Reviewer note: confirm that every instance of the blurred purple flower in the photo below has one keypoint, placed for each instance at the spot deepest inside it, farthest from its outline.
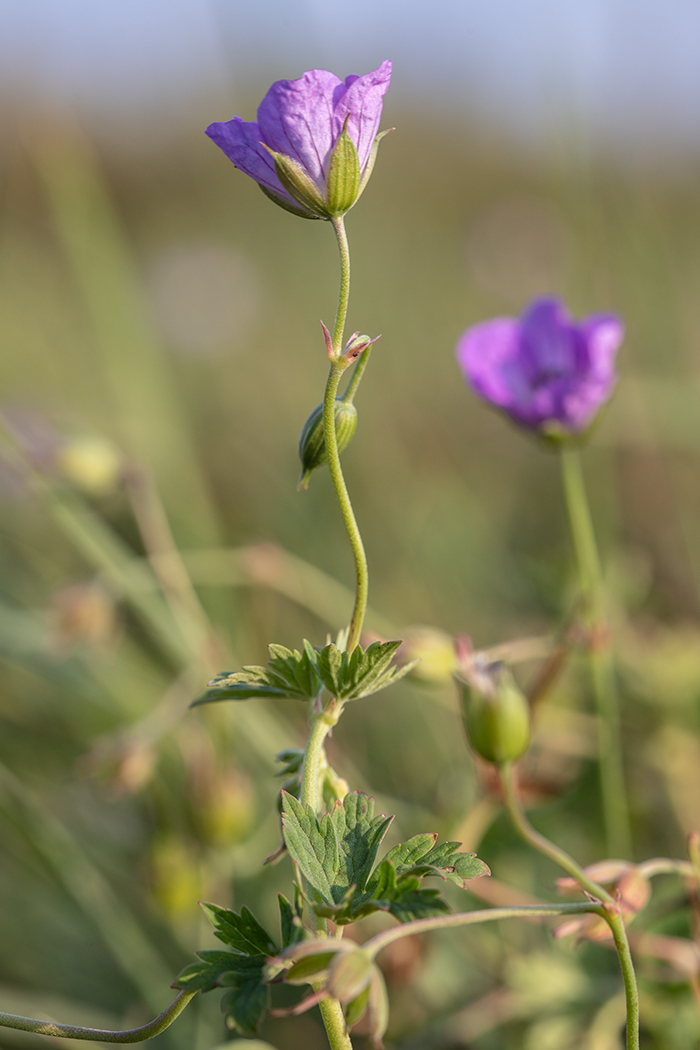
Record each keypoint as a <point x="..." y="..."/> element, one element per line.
<point x="546" y="371"/>
<point x="300" y="125"/>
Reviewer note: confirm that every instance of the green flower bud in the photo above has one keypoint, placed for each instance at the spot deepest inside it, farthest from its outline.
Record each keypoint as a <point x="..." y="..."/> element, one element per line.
<point x="312" y="443"/>
<point x="495" y="712"/>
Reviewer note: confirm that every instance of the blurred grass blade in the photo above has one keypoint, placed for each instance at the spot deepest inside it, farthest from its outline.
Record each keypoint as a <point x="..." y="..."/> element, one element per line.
<point x="151" y="424"/>
<point x="119" y="931"/>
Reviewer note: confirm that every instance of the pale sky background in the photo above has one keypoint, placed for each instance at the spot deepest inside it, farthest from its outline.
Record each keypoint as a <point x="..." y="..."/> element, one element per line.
<point x="629" y="69"/>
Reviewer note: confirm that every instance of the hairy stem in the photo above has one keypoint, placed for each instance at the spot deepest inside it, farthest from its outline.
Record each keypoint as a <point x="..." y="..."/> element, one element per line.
<point x="539" y="842"/>
<point x="351" y="388"/>
<point x="471" y="918"/>
<point x="610" y="911"/>
<point x="336" y="370"/>
<point x="131" y="1035"/>
<point x="612" y="778"/>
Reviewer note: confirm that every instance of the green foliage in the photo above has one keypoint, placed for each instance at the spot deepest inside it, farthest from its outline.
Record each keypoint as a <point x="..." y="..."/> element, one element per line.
<point x="351" y="676"/>
<point x="291" y="674"/>
<point x="336" y="854"/>
<point x="241" y="970"/>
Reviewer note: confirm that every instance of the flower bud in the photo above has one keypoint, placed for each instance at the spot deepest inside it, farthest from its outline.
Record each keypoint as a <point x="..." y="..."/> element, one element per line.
<point x="495" y="712"/>
<point x="312" y="443"/>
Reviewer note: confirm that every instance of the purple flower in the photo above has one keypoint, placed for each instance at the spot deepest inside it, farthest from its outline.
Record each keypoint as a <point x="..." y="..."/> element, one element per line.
<point x="313" y="145"/>
<point x="546" y="371"/>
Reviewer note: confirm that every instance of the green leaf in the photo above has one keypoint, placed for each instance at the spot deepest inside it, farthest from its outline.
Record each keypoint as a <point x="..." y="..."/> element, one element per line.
<point x="241" y="970"/>
<point x="290" y="923"/>
<point x="359" y="835"/>
<point x="445" y="861"/>
<point x="311" y="844"/>
<point x="351" y="676"/>
<point x="335" y="854"/>
<point x="293" y="759"/>
<point x="246" y="1001"/>
<point x="246" y="1004"/>
<point x="241" y="932"/>
<point x="288" y="674"/>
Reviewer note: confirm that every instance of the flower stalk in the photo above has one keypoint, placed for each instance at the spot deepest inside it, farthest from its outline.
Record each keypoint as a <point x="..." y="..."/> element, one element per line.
<point x="336" y="370"/>
<point x="131" y="1035"/>
<point x="610" y="910"/>
<point x="612" y="777"/>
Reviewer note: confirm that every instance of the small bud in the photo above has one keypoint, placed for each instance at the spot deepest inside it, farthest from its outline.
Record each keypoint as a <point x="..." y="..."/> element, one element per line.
<point x="355" y="345"/>
<point x="495" y="712"/>
<point x="312" y="442"/>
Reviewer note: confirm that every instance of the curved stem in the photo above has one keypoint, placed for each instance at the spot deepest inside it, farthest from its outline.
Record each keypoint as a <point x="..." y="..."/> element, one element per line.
<point x="612" y="777"/>
<point x="351" y="388"/>
<point x="610" y="910"/>
<point x="539" y="842"/>
<point x="336" y="370"/>
<point x="471" y="918"/>
<point x="341" y="491"/>
<point x="131" y="1035"/>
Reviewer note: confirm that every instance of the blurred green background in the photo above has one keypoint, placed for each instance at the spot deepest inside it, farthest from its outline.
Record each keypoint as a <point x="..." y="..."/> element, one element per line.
<point x="160" y="352"/>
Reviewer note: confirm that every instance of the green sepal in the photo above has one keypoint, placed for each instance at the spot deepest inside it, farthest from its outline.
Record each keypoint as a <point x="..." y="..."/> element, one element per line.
<point x="343" y="175"/>
<point x="289" y="674"/>
<point x="369" y="167"/>
<point x="291" y="929"/>
<point x="298" y="185"/>
<point x="356" y="1009"/>
<point x="351" y="676"/>
<point x="281" y="202"/>
<point x="311" y="966"/>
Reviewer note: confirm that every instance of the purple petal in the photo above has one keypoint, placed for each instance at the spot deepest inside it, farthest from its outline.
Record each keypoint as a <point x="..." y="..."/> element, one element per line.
<point x="296" y="118"/>
<point x="603" y="334"/>
<point x="548" y="341"/>
<point x="488" y="357"/>
<point x="240" y="141"/>
<point x="362" y="100"/>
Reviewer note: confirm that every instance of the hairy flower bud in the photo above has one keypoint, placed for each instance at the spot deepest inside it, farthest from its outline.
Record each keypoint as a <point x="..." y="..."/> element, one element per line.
<point x="312" y="442"/>
<point x="495" y="712"/>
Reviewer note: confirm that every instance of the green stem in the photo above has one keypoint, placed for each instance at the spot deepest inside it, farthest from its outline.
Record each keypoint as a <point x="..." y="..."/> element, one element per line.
<point x="612" y="777"/>
<point x="321" y="726"/>
<point x="539" y="842"/>
<point x="471" y="918"/>
<point x="132" y="1035"/>
<point x="336" y="370"/>
<point x="351" y="388"/>
<point x="610" y="912"/>
<point x="334" y="1022"/>
<point x="344" y="293"/>
<point x="617" y="926"/>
